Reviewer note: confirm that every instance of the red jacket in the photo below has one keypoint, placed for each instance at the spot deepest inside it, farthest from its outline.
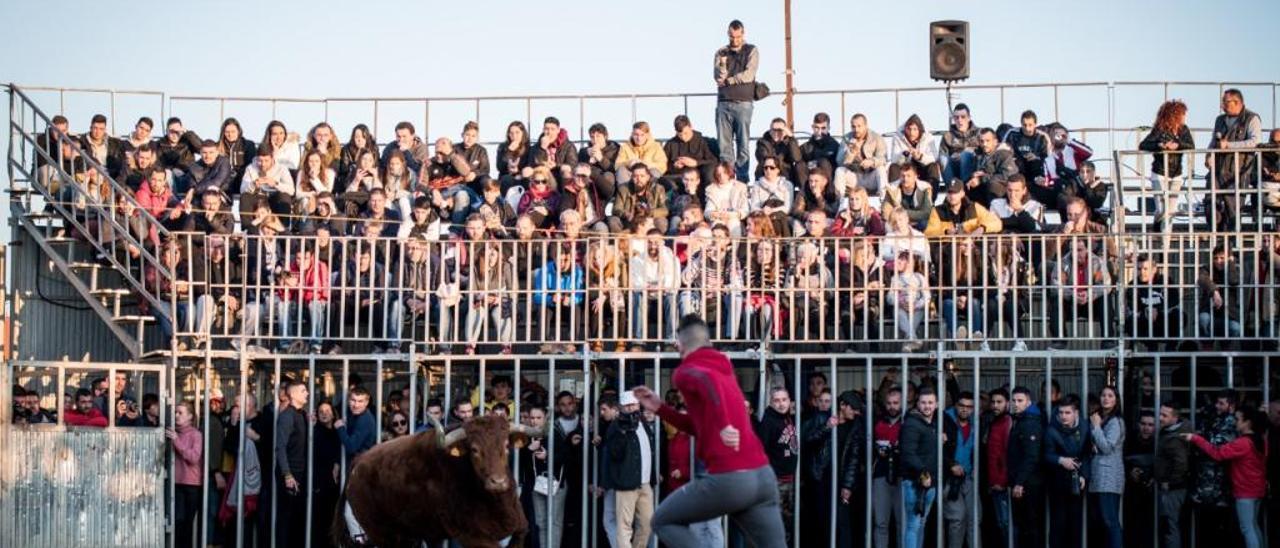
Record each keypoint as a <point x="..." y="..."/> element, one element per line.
<point x="1247" y="466"/>
<point x="678" y="458"/>
<point x="314" y="285"/>
<point x="74" y="417"/>
<point x="998" y="451"/>
<point x="711" y="393"/>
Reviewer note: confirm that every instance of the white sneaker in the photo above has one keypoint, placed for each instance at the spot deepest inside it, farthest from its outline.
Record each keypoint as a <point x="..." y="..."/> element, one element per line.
<point x="962" y="333"/>
<point x="1019" y="346"/>
<point x="986" y="347"/>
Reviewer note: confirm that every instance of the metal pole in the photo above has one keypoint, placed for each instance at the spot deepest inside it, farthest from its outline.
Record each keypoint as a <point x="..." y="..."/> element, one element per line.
<point x="790" y="86"/>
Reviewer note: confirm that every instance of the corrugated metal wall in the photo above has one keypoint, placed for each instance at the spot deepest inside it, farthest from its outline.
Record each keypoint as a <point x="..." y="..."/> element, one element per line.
<point x="81" y="488"/>
<point x="47" y="331"/>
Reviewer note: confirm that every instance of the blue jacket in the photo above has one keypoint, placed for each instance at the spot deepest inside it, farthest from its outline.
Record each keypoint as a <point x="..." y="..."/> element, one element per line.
<point x="962" y="447"/>
<point x="358" y="434"/>
<point x="548" y="280"/>
<point x="1071" y="442"/>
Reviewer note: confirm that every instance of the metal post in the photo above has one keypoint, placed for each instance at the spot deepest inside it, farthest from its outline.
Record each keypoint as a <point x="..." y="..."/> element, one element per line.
<point x="790" y="86"/>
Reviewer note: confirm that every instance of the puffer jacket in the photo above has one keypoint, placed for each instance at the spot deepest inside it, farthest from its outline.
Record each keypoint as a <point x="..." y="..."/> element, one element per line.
<point x="650" y="154"/>
<point x="918" y="448"/>
<point x="1106" y="472"/>
<point x="900" y="148"/>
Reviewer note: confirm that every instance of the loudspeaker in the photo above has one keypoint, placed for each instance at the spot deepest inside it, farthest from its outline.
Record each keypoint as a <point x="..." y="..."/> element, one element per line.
<point x="949" y="50"/>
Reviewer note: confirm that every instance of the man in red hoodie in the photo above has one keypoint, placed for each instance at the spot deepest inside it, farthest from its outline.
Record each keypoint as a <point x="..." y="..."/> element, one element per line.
<point x="739" y="482"/>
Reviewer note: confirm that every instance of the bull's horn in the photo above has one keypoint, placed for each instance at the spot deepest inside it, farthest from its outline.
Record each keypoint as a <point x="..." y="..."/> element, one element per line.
<point x="525" y="429"/>
<point x="452" y="438"/>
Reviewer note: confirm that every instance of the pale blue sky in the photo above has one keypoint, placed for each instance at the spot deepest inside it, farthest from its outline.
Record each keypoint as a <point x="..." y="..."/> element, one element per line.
<point x="428" y="48"/>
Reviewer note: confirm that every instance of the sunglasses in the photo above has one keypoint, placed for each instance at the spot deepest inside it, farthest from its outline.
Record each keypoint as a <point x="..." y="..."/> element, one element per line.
<point x="398" y="423"/>
<point x="541" y="181"/>
<point x="771" y="167"/>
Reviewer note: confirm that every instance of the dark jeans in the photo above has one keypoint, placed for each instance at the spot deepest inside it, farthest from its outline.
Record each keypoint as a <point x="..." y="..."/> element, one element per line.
<point x="1028" y="519"/>
<point x="291" y="515"/>
<point x="186" y="508"/>
<point x="1065" y="519"/>
<point x="1106" y="512"/>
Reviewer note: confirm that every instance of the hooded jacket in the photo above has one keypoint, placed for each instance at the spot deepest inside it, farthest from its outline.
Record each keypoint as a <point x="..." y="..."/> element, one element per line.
<point x="706" y="380"/>
<point x="695" y="148"/>
<point x="900" y="148"/>
<point x="1026" y="438"/>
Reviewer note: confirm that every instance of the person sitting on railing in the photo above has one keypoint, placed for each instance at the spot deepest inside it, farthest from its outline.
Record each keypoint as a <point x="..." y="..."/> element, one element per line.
<point x="909" y="293"/>
<point x="1154" y="313"/>
<point x="555" y="151"/>
<point x="857" y="217"/>
<point x="178" y="148"/>
<point x="639" y="196"/>
<point x="774" y="196"/>
<point x="862" y="160"/>
<point x="105" y="149"/>
<point x="580" y="194"/>
<point x="960" y="145"/>
<point x="313" y="178"/>
<point x="726" y="200"/>
<point x="655" y="281"/>
<point x="1236" y="128"/>
<point x="362" y="177"/>
<point x="47" y="140"/>
<point x="641" y="149"/>
<point x="821" y="151"/>
<point x="1010" y="298"/>
<point x="808" y="298"/>
<point x="212" y="170"/>
<point x="268" y="181"/>
<point x="451" y="280"/>
<point x="420" y="271"/>
<point x="238" y="150"/>
<point x="1220" y="301"/>
<point x="541" y="202"/>
<point x="909" y="194"/>
<point x="713" y="282"/>
<point x="305" y="286"/>
<point x="558" y="289"/>
<point x="67" y="156"/>
<point x="446" y="174"/>
<point x="134" y="140"/>
<point x="779" y="143"/>
<point x="1081" y="291"/>
<point x="177" y="286"/>
<point x="388" y="220"/>
<point x="818" y="194"/>
<point x="157" y="199"/>
<point x="492" y="284"/>
<point x="913" y="144"/>
<point x="1019" y="213"/>
<point x="995" y="167"/>
<point x="958" y="215"/>
<point x="214" y="215"/>
<point x="1031" y="147"/>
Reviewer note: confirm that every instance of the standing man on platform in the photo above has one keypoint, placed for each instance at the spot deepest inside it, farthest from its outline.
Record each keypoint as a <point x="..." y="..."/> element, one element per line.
<point x="735" y="74"/>
<point x="740" y="483"/>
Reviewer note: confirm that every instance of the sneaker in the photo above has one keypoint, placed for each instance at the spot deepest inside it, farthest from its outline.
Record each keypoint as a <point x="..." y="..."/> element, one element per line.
<point x="984" y="347"/>
<point x="506" y="350"/>
<point x="1019" y="346"/>
<point x="471" y="349"/>
<point x="1057" y="346"/>
<point x="315" y="349"/>
<point x="547" y="349"/>
<point x="962" y="333"/>
<point x="911" y="347"/>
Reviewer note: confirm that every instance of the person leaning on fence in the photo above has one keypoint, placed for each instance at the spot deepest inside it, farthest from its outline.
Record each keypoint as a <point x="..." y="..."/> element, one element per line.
<point x="1236" y="128"/>
<point x="188" y="473"/>
<point x="1247" y="457"/>
<point x="1083" y="292"/>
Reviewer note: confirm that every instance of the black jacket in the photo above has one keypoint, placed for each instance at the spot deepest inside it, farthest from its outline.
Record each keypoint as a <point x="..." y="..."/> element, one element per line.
<point x="477" y="157"/>
<point x="1158" y="137"/>
<point x="566" y="153"/>
<point x="1173" y="463"/>
<point x="222" y="222"/>
<point x="696" y="148"/>
<point x="623" y="451"/>
<point x="824" y="148"/>
<point x="1026" y="438"/>
<point x="787" y="152"/>
<point x="852" y="436"/>
<point x="239" y="154"/>
<point x="781" y="439"/>
<point x="216" y="176"/>
<point x="1030" y="152"/>
<point x="998" y="167"/>
<point x="291" y="443"/>
<point x="115" y="163"/>
<point x="178" y="155"/>
<point x="1070" y="442"/>
<point x="608" y="156"/>
<point x="918" y="447"/>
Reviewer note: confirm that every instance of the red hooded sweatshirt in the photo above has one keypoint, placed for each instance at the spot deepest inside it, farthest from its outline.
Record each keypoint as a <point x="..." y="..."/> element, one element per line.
<point x="714" y="400"/>
<point x="1246" y="465"/>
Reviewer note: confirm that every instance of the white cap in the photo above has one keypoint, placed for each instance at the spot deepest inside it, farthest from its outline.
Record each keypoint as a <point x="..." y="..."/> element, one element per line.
<point x="628" y="398"/>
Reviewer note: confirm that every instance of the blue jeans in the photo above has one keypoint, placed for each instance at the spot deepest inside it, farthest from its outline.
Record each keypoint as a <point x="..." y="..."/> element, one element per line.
<point x="733" y="128"/>
<point x="463" y="197"/>
<point x="317" y="312"/>
<point x="1207" y="321"/>
<point x="974" y="308"/>
<point x="665" y="305"/>
<point x="1247" y="515"/>
<point x="913" y="533"/>
<point x="1107" y="508"/>
<point x="166" y="325"/>
<point x="1000" y="500"/>
<point x="960" y="166"/>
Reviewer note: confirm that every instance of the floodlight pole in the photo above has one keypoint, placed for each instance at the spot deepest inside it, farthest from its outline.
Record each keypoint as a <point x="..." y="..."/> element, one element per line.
<point x="786" y="6"/>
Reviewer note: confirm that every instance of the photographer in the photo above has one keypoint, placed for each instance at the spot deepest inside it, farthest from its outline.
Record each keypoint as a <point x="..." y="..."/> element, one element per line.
<point x="629" y="447"/>
<point x="919" y="462"/>
<point x="1067" y="453"/>
<point x="885" y="495"/>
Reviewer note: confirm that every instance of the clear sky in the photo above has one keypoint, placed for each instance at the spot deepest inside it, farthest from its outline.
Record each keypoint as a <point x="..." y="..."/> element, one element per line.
<point x="432" y="48"/>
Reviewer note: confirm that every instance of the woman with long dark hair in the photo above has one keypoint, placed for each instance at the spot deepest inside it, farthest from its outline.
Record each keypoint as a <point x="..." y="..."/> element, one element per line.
<point x="513" y="157"/>
<point x="361" y="141"/>
<point x="1106" y="471"/>
<point x="284" y="144"/>
<point x="1169" y="135"/>
<point x="1247" y="467"/>
<point x="238" y="150"/>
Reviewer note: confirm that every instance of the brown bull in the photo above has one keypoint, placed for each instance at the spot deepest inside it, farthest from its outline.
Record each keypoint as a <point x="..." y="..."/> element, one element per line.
<point x="433" y="486"/>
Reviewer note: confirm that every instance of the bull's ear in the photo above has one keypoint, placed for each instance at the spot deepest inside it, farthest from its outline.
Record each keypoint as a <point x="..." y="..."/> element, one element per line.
<point x="519" y="441"/>
<point x="456" y="451"/>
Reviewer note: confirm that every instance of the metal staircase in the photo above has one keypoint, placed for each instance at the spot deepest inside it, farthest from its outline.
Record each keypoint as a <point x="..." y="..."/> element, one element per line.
<point x="85" y="241"/>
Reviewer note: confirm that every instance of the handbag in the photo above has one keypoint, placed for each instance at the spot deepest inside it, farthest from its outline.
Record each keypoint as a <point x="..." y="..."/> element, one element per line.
<point x="761" y="91"/>
<point x="542" y="485"/>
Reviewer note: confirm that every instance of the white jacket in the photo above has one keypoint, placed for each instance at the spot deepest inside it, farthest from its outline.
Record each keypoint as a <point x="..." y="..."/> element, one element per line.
<point x="664" y="273"/>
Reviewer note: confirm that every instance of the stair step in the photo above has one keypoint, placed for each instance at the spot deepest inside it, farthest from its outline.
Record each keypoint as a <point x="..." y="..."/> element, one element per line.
<point x="84" y="265"/>
<point x="131" y="318"/>
<point x="110" y="292"/>
<point x="20" y="191"/>
<point x="35" y="215"/>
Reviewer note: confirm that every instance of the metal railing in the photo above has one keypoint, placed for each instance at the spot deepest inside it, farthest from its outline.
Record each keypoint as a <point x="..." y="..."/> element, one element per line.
<point x="1236" y="190"/>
